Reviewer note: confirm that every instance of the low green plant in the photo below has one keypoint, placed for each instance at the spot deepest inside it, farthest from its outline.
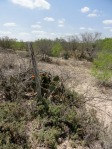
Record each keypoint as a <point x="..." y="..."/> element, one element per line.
<point x="102" y="66"/>
<point x="12" y="126"/>
<point x="48" y="137"/>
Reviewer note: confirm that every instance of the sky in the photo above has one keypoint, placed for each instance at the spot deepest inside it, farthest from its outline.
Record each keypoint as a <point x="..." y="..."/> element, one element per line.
<point x="35" y="19"/>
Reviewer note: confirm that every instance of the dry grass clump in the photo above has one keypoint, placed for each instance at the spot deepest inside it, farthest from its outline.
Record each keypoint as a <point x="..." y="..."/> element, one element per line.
<point x="7" y="61"/>
<point x="106" y="137"/>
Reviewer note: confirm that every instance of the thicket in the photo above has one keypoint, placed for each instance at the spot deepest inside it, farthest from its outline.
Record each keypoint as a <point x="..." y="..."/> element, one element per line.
<point x="8" y="43"/>
<point x="81" y="47"/>
<point x="84" y="46"/>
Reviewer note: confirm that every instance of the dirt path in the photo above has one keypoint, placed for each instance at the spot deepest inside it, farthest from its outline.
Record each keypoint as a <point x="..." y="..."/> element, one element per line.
<point x="77" y="77"/>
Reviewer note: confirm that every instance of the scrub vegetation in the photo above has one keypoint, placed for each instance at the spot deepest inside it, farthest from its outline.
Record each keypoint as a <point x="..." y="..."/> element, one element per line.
<point x="29" y="122"/>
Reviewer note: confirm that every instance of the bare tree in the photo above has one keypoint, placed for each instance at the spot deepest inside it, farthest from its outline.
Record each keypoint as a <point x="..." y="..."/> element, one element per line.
<point x="89" y="44"/>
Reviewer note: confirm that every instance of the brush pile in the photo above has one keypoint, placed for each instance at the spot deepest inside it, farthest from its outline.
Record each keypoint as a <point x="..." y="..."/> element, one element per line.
<point x="23" y="86"/>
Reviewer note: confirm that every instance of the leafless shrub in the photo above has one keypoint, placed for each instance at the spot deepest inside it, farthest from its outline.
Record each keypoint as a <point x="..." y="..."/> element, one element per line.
<point x="7" y="61"/>
<point x="23" y="54"/>
<point x="45" y="58"/>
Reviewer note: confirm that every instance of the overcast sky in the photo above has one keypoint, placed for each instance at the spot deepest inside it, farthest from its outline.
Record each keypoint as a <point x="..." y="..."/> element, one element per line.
<point x="33" y="19"/>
